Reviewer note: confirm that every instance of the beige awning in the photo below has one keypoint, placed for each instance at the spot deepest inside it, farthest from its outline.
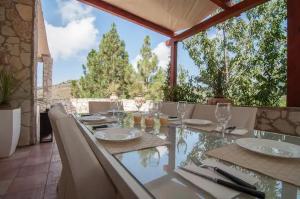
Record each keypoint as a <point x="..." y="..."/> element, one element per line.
<point x="175" y="15"/>
<point x="43" y="48"/>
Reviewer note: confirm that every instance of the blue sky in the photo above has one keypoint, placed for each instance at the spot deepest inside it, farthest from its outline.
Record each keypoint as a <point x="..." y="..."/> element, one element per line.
<point x="73" y="29"/>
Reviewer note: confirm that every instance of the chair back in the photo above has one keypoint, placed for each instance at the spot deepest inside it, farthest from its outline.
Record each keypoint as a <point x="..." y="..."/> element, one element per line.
<point x="170" y="108"/>
<point x="95" y="107"/>
<point x="241" y="117"/>
<point x="90" y="179"/>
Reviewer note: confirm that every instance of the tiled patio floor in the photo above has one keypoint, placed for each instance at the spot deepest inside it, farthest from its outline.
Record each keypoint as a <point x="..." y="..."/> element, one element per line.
<point x="31" y="173"/>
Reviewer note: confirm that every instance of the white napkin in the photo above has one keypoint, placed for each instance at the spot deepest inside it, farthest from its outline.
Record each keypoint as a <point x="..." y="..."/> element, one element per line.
<point x="216" y="190"/>
<point x="239" y="132"/>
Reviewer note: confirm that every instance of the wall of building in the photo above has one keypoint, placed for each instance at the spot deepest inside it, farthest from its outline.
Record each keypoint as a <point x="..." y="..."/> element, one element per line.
<point x="17" y="40"/>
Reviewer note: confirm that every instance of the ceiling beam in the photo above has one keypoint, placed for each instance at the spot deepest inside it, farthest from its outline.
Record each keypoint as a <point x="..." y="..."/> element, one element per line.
<point x="221" y="3"/>
<point x="232" y="11"/>
<point x="102" y="5"/>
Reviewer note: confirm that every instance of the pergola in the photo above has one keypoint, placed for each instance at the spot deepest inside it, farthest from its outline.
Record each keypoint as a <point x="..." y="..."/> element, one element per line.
<point x="180" y="19"/>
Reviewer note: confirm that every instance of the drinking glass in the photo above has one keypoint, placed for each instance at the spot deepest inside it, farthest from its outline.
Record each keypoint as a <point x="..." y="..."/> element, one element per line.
<point x="223" y="115"/>
<point x="156" y="108"/>
<point x="181" y="108"/>
<point x="139" y="101"/>
<point x="114" y="106"/>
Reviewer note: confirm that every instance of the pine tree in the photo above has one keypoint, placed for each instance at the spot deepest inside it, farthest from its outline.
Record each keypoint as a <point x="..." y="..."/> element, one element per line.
<point x="107" y="70"/>
<point x="150" y="76"/>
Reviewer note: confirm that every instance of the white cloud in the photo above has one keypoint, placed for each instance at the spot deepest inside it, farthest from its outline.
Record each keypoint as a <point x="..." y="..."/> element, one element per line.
<point x="162" y="52"/>
<point x="69" y="40"/>
<point x="71" y="10"/>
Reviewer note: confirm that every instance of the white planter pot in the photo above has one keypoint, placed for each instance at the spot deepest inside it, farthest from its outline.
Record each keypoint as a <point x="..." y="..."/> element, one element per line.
<point x="10" y="126"/>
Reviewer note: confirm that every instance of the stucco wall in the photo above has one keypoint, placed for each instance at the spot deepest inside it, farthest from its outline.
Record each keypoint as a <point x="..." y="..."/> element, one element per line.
<point x="17" y="41"/>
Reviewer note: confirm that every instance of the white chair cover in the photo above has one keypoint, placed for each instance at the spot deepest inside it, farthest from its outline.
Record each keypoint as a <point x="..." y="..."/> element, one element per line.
<point x="95" y="107"/>
<point x="89" y="178"/>
<point x="170" y="108"/>
<point x="242" y="117"/>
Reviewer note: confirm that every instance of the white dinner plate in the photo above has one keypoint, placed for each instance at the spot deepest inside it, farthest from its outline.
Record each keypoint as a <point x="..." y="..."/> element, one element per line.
<point x="92" y="118"/>
<point x="270" y="147"/>
<point x="118" y="134"/>
<point x="198" y="122"/>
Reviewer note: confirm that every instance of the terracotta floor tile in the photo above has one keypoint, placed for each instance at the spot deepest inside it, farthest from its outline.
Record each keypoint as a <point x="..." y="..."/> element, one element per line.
<point x="4" y="186"/>
<point x="55" y="158"/>
<point x="53" y="178"/>
<point x="36" y="193"/>
<point x="12" y="164"/>
<point x="27" y="183"/>
<point x="37" y="160"/>
<point x="19" y="154"/>
<point x="8" y="173"/>
<point x="55" y="166"/>
<point x="33" y="170"/>
<point x="51" y="190"/>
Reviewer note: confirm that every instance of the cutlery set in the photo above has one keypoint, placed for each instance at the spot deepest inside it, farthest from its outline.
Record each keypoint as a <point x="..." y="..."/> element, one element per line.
<point x="236" y="184"/>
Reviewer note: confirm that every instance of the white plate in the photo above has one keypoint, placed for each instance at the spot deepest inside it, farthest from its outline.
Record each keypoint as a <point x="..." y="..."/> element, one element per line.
<point x="270" y="147"/>
<point x="197" y="122"/>
<point x="118" y="134"/>
<point x="92" y="118"/>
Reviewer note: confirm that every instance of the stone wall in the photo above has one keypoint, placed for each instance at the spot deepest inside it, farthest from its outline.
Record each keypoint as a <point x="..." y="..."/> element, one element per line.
<point x="281" y="120"/>
<point x="17" y="41"/>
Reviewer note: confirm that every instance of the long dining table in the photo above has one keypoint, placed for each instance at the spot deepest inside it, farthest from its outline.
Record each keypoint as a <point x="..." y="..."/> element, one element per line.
<point x="149" y="172"/>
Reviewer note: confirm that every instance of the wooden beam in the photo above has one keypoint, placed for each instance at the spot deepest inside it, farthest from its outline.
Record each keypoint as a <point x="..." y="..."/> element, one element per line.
<point x="102" y="5"/>
<point x="173" y="65"/>
<point x="293" y="52"/>
<point x="221" y="17"/>
<point x="221" y="3"/>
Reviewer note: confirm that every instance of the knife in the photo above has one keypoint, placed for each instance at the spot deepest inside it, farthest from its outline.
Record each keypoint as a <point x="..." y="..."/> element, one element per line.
<point x="230" y="185"/>
<point x="224" y="173"/>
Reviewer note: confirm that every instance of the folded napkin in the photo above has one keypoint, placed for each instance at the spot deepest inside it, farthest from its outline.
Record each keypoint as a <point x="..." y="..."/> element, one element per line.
<point x="216" y="190"/>
<point x="239" y="132"/>
<point x="104" y="121"/>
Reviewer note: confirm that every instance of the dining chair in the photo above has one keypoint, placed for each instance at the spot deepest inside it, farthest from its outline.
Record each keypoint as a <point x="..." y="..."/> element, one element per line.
<point x="95" y="107"/>
<point x="170" y="108"/>
<point x="65" y="185"/>
<point x="241" y="117"/>
<point x="87" y="175"/>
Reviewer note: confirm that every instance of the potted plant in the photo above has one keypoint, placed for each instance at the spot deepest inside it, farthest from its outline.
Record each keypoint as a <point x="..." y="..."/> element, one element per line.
<point x="10" y="117"/>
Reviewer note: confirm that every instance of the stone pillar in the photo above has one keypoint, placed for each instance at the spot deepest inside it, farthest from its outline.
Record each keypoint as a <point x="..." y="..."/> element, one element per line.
<point x="17" y="41"/>
<point x="47" y="78"/>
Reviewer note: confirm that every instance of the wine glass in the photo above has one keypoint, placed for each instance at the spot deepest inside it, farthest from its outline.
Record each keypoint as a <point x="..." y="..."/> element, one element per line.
<point x="113" y="106"/>
<point x="181" y="108"/>
<point x="156" y="108"/>
<point x="139" y="101"/>
<point x="223" y="115"/>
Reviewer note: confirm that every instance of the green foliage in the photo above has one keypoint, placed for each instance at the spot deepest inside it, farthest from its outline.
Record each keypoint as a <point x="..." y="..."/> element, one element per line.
<point x="186" y="89"/>
<point x="7" y="86"/>
<point x="246" y="60"/>
<point x="107" y="70"/>
<point x="150" y="76"/>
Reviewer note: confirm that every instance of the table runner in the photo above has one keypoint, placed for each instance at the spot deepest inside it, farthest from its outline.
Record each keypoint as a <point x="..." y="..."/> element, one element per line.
<point x="146" y="141"/>
<point x="284" y="169"/>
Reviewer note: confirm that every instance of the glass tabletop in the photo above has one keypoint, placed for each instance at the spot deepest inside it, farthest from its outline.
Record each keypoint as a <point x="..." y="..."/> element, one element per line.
<point x="154" y="167"/>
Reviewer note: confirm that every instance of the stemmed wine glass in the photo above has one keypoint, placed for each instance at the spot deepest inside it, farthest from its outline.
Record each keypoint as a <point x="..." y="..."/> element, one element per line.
<point x="139" y="101"/>
<point x="156" y="108"/>
<point x="223" y="115"/>
<point x="181" y="108"/>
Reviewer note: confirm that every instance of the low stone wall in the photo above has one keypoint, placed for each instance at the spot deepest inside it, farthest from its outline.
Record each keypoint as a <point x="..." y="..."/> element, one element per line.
<point x="281" y="120"/>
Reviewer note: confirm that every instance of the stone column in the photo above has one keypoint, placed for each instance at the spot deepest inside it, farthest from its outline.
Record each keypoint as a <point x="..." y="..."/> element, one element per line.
<point x="17" y="41"/>
<point x="47" y="78"/>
